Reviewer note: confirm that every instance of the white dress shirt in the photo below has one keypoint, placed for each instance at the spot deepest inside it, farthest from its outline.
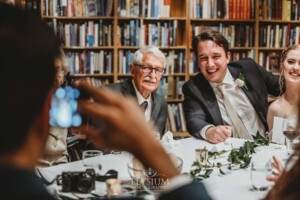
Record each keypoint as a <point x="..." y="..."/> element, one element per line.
<point x="141" y="99"/>
<point x="243" y="106"/>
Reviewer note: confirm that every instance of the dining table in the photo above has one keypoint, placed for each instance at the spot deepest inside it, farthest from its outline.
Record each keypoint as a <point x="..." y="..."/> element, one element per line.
<point x="234" y="184"/>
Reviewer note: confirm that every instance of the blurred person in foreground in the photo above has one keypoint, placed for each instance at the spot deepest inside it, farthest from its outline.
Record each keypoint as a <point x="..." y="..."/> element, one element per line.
<point x="226" y="99"/>
<point x="28" y="49"/>
<point x="147" y="69"/>
<point x="56" y="147"/>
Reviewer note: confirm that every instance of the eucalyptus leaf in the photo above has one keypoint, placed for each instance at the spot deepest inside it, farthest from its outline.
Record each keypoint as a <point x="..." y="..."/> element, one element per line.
<point x="240" y="157"/>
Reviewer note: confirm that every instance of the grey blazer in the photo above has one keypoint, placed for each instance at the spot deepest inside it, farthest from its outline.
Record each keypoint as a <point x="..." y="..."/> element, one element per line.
<point x="159" y="112"/>
<point x="200" y="104"/>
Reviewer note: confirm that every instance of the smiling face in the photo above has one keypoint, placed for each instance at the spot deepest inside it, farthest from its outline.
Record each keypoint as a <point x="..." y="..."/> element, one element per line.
<point x="146" y="82"/>
<point x="212" y="61"/>
<point x="291" y="67"/>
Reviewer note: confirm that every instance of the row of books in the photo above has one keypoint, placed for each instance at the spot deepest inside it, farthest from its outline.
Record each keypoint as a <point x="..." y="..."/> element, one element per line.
<point x="280" y="10"/>
<point x="125" y="58"/>
<point x="144" y="8"/>
<point x="238" y="55"/>
<point x="97" y="82"/>
<point x="133" y="33"/>
<point x="224" y="9"/>
<point x="89" y="62"/>
<point x="86" y="34"/>
<point x="175" y="61"/>
<point x="77" y="8"/>
<point x="32" y="6"/>
<point x="278" y="36"/>
<point x="171" y="87"/>
<point x="176" y="118"/>
<point x="270" y="60"/>
<point x="236" y="35"/>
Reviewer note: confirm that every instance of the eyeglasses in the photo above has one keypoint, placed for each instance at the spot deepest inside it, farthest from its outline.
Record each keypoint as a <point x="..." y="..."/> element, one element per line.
<point x="147" y="69"/>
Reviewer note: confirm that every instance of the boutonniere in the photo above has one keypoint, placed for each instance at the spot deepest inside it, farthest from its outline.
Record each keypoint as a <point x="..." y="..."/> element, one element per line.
<point x="240" y="81"/>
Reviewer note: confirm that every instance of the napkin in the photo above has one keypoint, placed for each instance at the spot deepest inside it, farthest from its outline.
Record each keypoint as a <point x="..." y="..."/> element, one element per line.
<point x="168" y="141"/>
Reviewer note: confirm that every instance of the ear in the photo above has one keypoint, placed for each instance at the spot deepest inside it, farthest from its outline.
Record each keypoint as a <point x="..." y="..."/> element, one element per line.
<point x="228" y="57"/>
<point x="132" y="69"/>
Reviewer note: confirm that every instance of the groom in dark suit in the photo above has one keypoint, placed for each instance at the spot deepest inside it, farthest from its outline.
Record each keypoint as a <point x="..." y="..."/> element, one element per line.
<point x="226" y="99"/>
<point x="147" y="68"/>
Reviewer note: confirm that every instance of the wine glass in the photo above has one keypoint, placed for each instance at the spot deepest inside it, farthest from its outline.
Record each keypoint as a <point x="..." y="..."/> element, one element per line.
<point x="291" y="133"/>
<point x="292" y="139"/>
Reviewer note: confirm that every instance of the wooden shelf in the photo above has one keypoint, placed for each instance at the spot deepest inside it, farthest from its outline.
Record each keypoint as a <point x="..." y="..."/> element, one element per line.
<point x="90" y="75"/>
<point x="77" y="18"/>
<point x="88" y="48"/>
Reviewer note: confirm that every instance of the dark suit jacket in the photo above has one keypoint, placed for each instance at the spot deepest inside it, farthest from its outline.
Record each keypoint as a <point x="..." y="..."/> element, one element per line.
<point x="200" y="104"/>
<point x="159" y="112"/>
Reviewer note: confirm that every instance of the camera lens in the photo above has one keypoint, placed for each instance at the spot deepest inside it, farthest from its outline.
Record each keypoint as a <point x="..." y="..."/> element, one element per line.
<point x="85" y="185"/>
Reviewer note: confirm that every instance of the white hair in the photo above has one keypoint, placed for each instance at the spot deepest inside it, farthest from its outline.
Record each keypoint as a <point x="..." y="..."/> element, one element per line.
<point x="138" y="55"/>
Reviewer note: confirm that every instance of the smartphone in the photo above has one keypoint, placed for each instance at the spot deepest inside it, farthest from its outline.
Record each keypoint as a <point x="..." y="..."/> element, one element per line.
<point x="63" y="111"/>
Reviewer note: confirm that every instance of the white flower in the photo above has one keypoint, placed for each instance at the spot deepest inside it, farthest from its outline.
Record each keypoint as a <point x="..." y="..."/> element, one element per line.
<point x="240" y="82"/>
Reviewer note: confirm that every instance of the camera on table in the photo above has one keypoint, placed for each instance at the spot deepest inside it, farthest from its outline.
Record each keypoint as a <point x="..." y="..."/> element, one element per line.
<point x="83" y="182"/>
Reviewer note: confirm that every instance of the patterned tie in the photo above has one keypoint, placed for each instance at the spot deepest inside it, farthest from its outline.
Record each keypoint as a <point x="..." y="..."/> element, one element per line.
<point x="239" y="129"/>
<point x="144" y="105"/>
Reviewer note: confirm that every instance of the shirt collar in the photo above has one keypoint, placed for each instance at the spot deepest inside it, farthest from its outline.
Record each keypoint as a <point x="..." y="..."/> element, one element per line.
<point x="140" y="98"/>
<point x="228" y="79"/>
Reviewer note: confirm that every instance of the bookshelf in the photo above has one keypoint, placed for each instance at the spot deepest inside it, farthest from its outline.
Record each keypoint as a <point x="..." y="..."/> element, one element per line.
<point x="254" y="28"/>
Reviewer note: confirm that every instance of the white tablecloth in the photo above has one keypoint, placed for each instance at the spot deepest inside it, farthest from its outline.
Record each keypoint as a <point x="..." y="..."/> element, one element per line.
<point x="234" y="185"/>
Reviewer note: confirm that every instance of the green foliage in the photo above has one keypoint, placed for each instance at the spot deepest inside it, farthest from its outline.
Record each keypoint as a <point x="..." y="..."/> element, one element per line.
<point x="200" y="172"/>
<point x="215" y="154"/>
<point x="240" y="157"/>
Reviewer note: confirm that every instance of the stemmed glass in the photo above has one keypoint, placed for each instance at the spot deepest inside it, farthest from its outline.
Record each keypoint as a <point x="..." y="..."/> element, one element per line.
<point x="291" y="134"/>
<point x="292" y="139"/>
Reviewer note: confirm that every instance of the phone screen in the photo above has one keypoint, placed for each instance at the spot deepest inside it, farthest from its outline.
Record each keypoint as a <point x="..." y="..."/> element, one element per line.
<point x="63" y="111"/>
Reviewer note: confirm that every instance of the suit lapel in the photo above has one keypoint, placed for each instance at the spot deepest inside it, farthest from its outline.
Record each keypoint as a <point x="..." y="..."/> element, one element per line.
<point x="207" y="96"/>
<point x="250" y="93"/>
<point x="155" y="106"/>
<point x="128" y="88"/>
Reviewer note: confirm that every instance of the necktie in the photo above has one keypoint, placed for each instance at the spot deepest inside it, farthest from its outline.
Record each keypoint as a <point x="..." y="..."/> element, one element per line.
<point x="239" y="129"/>
<point x="144" y="105"/>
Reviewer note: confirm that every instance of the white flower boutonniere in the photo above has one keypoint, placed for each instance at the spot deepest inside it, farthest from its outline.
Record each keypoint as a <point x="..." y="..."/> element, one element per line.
<point x="240" y="81"/>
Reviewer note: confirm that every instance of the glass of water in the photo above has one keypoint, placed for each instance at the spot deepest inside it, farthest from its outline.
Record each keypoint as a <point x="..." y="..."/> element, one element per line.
<point x="92" y="159"/>
<point x="260" y="170"/>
